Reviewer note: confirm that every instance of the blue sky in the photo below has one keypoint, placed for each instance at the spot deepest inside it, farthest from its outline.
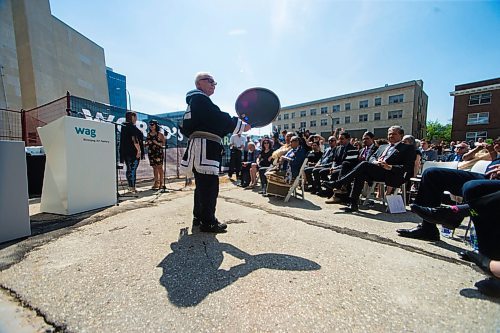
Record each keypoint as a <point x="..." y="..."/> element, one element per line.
<point x="302" y="50"/>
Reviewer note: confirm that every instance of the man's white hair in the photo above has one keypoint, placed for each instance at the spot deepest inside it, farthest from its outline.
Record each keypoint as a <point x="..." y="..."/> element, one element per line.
<point x="200" y="75"/>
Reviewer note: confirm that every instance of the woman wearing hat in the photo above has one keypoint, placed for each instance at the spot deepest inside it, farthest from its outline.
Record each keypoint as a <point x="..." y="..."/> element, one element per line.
<point x="155" y="142"/>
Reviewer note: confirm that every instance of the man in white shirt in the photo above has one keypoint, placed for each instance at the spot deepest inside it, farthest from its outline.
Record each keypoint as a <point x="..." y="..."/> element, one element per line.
<point x="237" y="145"/>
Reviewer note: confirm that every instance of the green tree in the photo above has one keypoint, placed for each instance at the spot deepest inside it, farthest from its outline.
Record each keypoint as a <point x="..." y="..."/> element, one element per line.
<point x="438" y="131"/>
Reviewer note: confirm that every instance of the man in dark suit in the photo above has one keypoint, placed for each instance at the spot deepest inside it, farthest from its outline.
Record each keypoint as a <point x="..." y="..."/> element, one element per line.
<point x="320" y="171"/>
<point x="349" y="163"/>
<point x="369" y="147"/>
<point x="345" y="158"/>
<point x="393" y="162"/>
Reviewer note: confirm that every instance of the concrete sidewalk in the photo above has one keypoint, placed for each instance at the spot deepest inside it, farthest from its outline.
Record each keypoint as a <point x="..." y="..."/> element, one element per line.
<point x="298" y="267"/>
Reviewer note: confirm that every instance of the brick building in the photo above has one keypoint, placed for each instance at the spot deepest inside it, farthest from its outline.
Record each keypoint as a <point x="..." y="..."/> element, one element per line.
<point x="476" y="110"/>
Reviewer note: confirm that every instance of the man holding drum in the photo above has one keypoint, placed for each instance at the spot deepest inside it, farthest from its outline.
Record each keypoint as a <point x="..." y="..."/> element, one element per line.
<point x="205" y="125"/>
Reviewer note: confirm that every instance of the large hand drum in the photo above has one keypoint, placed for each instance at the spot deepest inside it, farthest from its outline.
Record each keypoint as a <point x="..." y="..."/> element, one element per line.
<point x="257" y="106"/>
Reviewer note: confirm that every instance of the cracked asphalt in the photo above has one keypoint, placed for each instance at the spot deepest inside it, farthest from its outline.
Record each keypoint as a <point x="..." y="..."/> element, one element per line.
<point x="301" y="266"/>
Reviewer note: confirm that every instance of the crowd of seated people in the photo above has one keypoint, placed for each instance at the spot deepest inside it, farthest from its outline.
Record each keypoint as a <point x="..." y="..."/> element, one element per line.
<point x="340" y="167"/>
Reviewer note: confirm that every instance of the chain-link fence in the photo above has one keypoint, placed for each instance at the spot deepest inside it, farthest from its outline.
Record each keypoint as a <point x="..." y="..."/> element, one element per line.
<point x="11" y="125"/>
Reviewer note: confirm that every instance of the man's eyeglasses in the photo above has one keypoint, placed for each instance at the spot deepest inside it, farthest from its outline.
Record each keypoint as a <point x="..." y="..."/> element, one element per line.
<point x="211" y="81"/>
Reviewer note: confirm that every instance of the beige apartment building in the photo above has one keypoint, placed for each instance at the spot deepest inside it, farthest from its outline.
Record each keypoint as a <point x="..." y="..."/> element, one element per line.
<point x="372" y="110"/>
<point x="41" y="58"/>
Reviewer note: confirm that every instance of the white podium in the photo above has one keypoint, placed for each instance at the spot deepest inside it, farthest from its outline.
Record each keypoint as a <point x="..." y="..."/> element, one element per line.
<point x="80" y="169"/>
<point x="14" y="206"/>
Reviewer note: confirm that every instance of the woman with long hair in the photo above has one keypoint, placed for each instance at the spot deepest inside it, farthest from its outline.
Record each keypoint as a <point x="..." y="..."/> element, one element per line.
<point x="264" y="161"/>
<point x="156" y="142"/>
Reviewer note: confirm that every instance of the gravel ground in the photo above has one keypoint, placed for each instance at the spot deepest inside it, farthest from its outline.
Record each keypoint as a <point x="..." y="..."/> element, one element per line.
<point x="296" y="267"/>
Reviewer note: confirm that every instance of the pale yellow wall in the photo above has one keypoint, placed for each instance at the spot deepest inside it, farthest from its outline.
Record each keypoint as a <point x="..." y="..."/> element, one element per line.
<point x="10" y="87"/>
<point x="408" y="107"/>
<point x="54" y="58"/>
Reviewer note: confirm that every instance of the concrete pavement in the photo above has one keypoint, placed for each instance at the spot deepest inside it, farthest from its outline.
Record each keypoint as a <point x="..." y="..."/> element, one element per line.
<point x="296" y="267"/>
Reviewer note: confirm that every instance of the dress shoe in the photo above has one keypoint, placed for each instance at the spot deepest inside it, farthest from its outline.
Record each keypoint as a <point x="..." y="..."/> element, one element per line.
<point x="332" y="200"/>
<point x="331" y="184"/>
<point x="420" y="233"/>
<point x="439" y="215"/>
<point x="214" y="228"/>
<point x="351" y="208"/>
<point x="489" y="287"/>
<point x="341" y="190"/>
<point x="477" y="258"/>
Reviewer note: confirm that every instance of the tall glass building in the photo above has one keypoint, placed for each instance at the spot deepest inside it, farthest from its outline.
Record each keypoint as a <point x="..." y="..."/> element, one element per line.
<point x="117" y="88"/>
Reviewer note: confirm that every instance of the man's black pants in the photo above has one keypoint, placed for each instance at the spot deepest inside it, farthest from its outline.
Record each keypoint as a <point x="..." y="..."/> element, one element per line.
<point x="235" y="163"/>
<point x="483" y="197"/>
<point x="437" y="180"/>
<point x="315" y="175"/>
<point x="205" y="197"/>
<point x="364" y="171"/>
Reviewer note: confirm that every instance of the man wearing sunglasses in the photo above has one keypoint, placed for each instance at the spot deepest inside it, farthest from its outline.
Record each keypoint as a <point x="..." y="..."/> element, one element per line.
<point x="205" y="125"/>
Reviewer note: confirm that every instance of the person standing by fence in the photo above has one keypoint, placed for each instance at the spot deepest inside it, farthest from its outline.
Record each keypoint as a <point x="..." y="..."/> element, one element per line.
<point x="156" y="142"/>
<point x="131" y="148"/>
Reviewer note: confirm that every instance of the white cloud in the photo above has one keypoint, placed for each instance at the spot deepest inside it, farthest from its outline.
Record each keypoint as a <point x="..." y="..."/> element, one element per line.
<point x="237" y="32"/>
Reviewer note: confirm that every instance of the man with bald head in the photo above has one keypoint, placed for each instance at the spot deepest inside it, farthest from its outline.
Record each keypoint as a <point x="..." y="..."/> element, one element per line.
<point x="205" y="125"/>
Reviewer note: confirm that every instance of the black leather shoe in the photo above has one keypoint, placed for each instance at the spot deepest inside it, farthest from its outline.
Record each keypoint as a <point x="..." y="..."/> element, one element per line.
<point x="420" y="233"/>
<point x="221" y="225"/>
<point x="215" y="228"/>
<point x="439" y="215"/>
<point x="489" y="287"/>
<point x="351" y="208"/>
<point x="477" y="258"/>
<point x="331" y="184"/>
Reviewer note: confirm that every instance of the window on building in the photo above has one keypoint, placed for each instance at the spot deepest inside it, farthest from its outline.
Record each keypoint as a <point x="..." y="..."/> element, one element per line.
<point x="293" y="125"/>
<point x="363" y="117"/>
<point x="313" y="112"/>
<point x="476" y="135"/>
<point x="324" y="122"/>
<point x="336" y="108"/>
<point x="285" y="126"/>
<point x="376" y="116"/>
<point x="279" y="128"/>
<point x="396" y="99"/>
<point x="378" y="101"/>
<point x="279" y="117"/>
<point x="303" y="124"/>
<point x="324" y="110"/>
<point x="478" y="118"/>
<point x="363" y="104"/>
<point x="347" y="106"/>
<point x="285" y="116"/>
<point x="347" y="120"/>
<point x="336" y="121"/>
<point x="480" y="99"/>
<point x="303" y="113"/>
<point x="292" y="115"/>
<point x="395" y="114"/>
<point x="312" y="123"/>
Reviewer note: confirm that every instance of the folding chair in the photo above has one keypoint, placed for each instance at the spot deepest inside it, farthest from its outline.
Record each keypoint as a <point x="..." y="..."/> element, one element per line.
<point x="277" y="185"/>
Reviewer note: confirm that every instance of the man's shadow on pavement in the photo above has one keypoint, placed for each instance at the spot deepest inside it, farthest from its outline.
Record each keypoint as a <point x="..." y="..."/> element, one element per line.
<point x="191" y="272"/>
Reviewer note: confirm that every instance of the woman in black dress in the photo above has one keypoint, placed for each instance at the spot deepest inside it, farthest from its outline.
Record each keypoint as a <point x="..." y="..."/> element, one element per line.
<point x="264" y="161"/>
<point x="155" y="142"/>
